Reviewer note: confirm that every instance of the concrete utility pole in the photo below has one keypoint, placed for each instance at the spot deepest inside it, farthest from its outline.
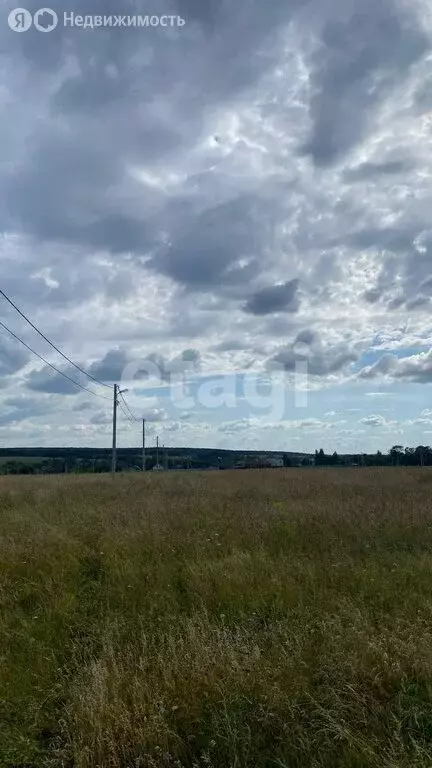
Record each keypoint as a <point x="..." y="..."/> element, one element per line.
<point x="117" y="392"/>
<point x="143" y="449"/>
<point x="114" y="443"/>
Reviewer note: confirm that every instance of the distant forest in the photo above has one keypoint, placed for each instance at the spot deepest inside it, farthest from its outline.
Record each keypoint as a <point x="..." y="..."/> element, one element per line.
<point x="85" y="460"/>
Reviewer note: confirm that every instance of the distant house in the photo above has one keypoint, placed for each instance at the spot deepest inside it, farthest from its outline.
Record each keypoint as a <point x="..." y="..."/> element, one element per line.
<point x="275" y="461"/>
<point x="158" y="468"/>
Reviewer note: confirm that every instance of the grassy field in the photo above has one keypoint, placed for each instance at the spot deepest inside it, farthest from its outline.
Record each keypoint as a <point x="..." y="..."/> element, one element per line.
<point x="260" y="619"/>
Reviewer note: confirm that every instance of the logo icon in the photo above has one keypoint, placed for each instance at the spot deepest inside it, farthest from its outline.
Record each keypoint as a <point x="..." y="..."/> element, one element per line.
<point x="20" y="20"/>
<point x="45" y="20"/>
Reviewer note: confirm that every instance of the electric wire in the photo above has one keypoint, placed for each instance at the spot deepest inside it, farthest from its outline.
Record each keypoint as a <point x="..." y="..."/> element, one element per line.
<point x="57" y="370"/>
<point x="81" y="370"/>
<point x="134" y="418"/>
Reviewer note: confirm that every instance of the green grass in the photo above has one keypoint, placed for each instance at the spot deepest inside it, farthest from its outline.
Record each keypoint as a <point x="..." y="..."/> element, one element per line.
<point x="259" y="619"/>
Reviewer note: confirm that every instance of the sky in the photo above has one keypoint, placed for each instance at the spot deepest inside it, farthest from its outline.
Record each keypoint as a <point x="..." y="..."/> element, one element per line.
<point x="230" y="218"/>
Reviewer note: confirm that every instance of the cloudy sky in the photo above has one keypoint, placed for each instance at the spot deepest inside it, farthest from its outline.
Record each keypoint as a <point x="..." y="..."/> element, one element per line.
<point x="232" y="216"/>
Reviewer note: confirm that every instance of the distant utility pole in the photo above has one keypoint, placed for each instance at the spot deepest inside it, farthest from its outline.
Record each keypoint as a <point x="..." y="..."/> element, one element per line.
<point x="143" y="449"/>
<point x="157" y="451"/>
<point x="117" y="392"/>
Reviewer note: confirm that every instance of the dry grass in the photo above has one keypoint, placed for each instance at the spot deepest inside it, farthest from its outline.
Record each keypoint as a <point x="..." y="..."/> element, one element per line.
<point x="262" y="619"/>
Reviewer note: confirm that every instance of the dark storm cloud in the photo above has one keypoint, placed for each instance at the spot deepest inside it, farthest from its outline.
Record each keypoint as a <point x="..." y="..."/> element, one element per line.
<point x="12" y="357"/>
<point x="110" y="369"/>
<point x="50" y="197"/>
<point x="101" y="418"/>
<point x="423" y="96"/>
<point x="362" y="56"/>
<point x="415" y="372"/>
<point x="373" y="295"/>
<point x="85" y="406"/>
<point x="307" y="337"/>
<point x="118" y="364"/>
<point x="150" y="101"/>
<point x="230" y="345"/>
<point x="187" y="361"/>
<point x="416" y="369"/>
<point x="219" y="20"/>
<point x="206" y="253"/>
<point x="205" y="13"/>
<point x="369" y="171"/>
<point x="420" y="302"/>
<point x="405" y="272"/>
<point x="276" y="298"/>
<point x="47" y="380"/>
<point x="322" y="359"/>
<point x="396" y="239"/>
<point x="120" y="104"/>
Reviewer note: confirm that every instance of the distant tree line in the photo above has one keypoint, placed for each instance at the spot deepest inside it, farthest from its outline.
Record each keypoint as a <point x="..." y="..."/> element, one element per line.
<point x="397" y="456"/>
<point x="29" y="461"/>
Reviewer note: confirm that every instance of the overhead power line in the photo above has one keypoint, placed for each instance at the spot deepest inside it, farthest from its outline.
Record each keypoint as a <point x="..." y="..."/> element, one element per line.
<point x="81" y="370"/>
<point x="125" y="413"/>
<point x="57" y="370"/>
<point x="134" y="418"/>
